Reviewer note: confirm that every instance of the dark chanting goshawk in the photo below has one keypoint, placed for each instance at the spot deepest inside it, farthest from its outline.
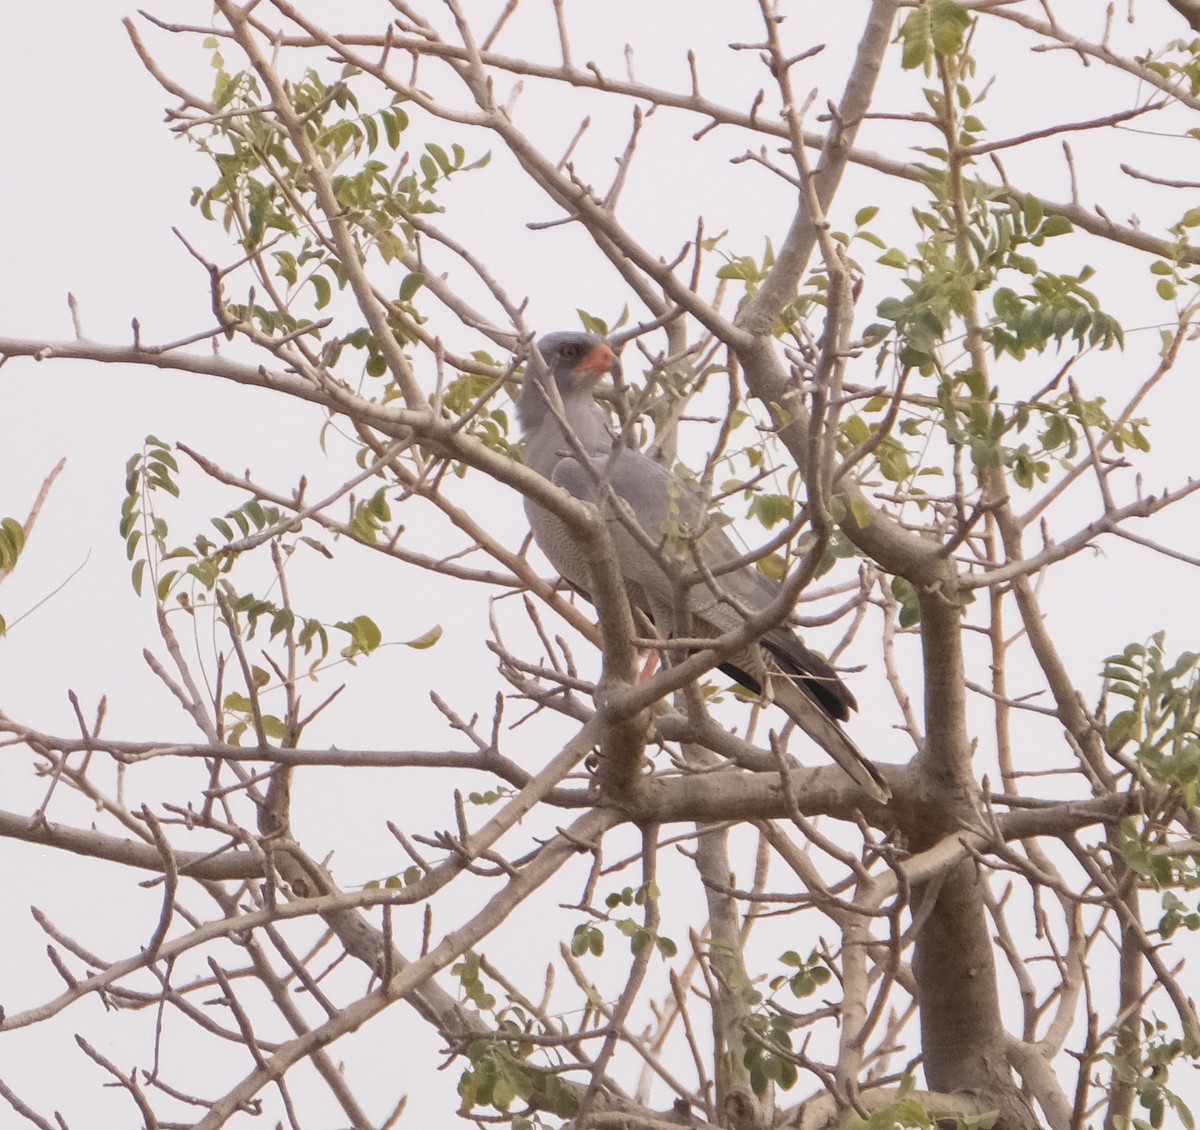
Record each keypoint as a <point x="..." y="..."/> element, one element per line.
<point x="779" y="664"/>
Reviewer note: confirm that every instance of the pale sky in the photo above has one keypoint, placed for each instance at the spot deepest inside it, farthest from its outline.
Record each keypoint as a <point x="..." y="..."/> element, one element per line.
<point x="93" y="183"/>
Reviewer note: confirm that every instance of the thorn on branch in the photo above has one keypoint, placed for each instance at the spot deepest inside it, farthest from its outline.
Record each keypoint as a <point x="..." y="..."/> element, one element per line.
<point x="61" y="969"/>
<point x="125" y="1081"/>
<point x="564" y="160"/>
<point x="564" y="43"/>
<point x="816" y="49"/>
<point x="754" y="107"/>
<point x="74" y="308"/>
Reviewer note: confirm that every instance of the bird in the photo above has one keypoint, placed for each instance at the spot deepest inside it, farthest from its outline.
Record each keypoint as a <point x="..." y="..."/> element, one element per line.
<point x="567" y="440"/>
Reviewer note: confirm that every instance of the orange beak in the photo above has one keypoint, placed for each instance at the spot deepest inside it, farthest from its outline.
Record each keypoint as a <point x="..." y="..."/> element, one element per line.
<point x="601" y="360"/>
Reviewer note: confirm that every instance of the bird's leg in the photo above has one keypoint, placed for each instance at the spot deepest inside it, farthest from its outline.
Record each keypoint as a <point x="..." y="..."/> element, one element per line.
<point x="765" y="677"/>
<point x="653" y="658"/>
<point x="647" y="630"/>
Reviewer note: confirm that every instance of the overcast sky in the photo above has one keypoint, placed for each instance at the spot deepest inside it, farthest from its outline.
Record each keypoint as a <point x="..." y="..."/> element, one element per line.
<point x="93" y="184"/>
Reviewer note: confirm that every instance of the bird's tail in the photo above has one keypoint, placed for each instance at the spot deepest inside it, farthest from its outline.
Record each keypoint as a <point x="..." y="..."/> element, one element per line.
<point x="812" y="719"/>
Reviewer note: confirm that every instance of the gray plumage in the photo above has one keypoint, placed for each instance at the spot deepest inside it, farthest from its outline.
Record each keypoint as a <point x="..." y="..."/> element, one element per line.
<point x="673" y="519"/>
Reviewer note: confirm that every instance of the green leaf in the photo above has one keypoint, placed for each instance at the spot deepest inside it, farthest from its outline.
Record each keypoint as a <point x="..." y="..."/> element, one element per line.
<point x="283" y="621"/>
<point x="503" y="1093"/>
<point x="165" y="582"/>
<point x="771" y="509"/>
<point x="910" y="608"/>
<point x="410" y="285"/>
<point x="274" y="728"/>
<point x="287" y="266"/>
<point x="439" y="155"/>
<point x="773" y="566"/>
<point x="1032" y="207"/>
<point x="427" y="640"/>
<point x="364" y="631"/>
<point x="157" y="477"/>
<point x="378" y="505"/>
<point x="255" y="512"/>
<point x="865" y="215"/>
<point x="984" y="1121"/>
<point x="12" y="541"/>
<point x="856" y="430"/>
<point x="1121" y="729"/>
<point x="948" y="26"/>
<point x="1056" y="225"/>
<point x="915" y="35"/>
<point x="372" y="131"/>
<point x="394" y="122"/>
<point x="591" y="323"/>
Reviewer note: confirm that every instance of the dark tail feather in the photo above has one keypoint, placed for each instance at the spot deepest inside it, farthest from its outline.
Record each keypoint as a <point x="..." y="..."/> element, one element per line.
<point x="795" y="700"/>
<point x="796" y="659"/>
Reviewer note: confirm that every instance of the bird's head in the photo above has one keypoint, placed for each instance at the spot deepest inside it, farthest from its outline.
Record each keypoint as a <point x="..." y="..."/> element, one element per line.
<point x="572" y="361"/>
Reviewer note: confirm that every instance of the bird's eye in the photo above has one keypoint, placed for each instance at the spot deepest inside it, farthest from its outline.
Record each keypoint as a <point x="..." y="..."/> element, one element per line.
<point x="573" y="352"/>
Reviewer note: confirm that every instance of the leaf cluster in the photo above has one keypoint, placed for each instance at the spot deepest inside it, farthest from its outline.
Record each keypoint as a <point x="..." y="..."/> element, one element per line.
<point x="499" y="1070"/>
<point x="936" y="27"/>
<point x="810" y="974"/>
<point x="498" y="1076"/>
<point x="1145" y="1066"/>
<point x="12" y="541"/>
<point x="264" y="193"/>
<point x="1162" y="719"/>
<point x="209" y="565"/>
